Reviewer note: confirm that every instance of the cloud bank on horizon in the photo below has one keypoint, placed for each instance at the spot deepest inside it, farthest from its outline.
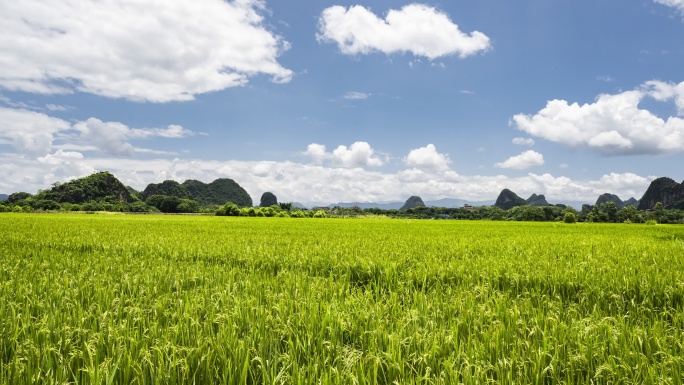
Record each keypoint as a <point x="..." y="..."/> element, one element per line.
<point x="154" y="90"/>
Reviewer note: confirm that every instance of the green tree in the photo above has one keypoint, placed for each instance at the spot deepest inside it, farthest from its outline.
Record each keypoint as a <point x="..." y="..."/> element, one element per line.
<point x="658" y="211"/>
<point x="628" y="213"/>
<point x="18" y="196"/>
<point x="285" y="206"/>
<point x="610" y="210"/>
<point x="187" y="206"/>
<point x="229" y="209"/>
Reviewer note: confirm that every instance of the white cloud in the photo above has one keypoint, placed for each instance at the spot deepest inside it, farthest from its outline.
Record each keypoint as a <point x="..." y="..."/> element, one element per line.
<point x="37" y="134"/>
<point x="415" y="28"/>
<point x="427" y="158"/>
<point x="523" y="141"/>
<point x="28" y="131"/>
<point x="312" y="184"/>
<point x="353" y="95"/>
<point x="316" y="152"/>
<point x="56" y="107"/>
<point x="679" y="4"/>
<point x="113" y="137"/>
<point x="156" y="50"/>
<point x="613" y="124"/>
<point x="109" y="137"/>
<point x="359" y="154"/>
<point x="525" y="160"/>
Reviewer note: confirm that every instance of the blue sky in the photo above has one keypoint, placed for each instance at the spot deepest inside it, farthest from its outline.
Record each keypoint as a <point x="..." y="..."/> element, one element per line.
<point x="323" y="102"/>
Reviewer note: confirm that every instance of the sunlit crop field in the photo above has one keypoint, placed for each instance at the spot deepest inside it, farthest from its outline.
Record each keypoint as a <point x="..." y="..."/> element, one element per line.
<point x="168" y="300"/>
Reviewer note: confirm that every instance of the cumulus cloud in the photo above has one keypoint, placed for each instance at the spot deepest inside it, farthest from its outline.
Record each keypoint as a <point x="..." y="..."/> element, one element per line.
<point x="156" y="51"/>
<point x="415" y="28"/>
<point x="316" y="152"/>
<point x="359" y="154"/>
<point x="427" y="158"/>
<point x="525" y="160"/>
<point x="113" y="137"/>
<point x="29" y="131"/>
<point x="523" y="141"/>
<point x="678" y="4"/>
<point x="613" y="124"/>
<point x="37" y="134"/>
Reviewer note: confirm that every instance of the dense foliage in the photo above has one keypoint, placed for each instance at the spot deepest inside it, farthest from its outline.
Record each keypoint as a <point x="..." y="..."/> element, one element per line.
<point x="604" y="198"/>
<point x="166" y="188"/>
<point x="537" y="200"/>
<point x="663" y="190"/>
<point x="507" y="199"/>
<point x="412" y="202"/>
<point x="218" y="192"/>
<point x="268" y="199"/>
<point x="101" y="186"/>
<point x="135" y="299"/>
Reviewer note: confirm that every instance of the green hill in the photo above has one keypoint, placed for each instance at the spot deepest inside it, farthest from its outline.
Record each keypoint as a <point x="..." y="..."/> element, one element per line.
<point x="603" y="198"/>
<point x="507" y="199"/>
<point x="537" y="200"/>
<point x="218" y="192"/>
<point x="412" y="202"/>
<point x="100" y="186"/>
<point x="168" y="187"/>
<point x="663" y="190"/>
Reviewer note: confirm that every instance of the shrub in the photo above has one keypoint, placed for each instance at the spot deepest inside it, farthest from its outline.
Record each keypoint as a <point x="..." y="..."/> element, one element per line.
<point x="320" y="214"/>
<point x="297" y="214"/>
<point x="229" y="209"/>
<point x="569" y="218"/>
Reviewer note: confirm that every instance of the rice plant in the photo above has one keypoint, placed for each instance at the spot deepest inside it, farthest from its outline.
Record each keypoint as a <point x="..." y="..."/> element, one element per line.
<point x="103" y="299"/>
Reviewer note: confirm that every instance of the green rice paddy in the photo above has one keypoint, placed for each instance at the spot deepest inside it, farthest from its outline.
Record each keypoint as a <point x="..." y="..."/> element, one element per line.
<point x="100" y="299"/>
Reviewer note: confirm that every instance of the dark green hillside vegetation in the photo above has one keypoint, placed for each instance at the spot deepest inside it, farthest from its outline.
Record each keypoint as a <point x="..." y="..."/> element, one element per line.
<point x="268" y="199"/>
<point x="18" y="196"/>
<point x="603" y="198"/>
<point x="537" y="200"/>
<point x="138" y="195"/>
<point x="663" y="190"/>
<point x="167" y="188"/>
<point x="412" y="202"/>
<point x="101" y="186"/>
<point x="507" y="199"/>
<point x="630" y="202"/>
<point x="218" y="192"/>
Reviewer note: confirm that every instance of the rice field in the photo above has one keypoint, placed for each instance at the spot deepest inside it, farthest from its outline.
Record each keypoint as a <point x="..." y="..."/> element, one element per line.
<point x="103" y="299"/>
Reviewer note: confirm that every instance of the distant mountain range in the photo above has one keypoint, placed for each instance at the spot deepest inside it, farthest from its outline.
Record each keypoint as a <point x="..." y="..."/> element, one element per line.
<point x="103" y="186"/>
<point x="445" y="202"/>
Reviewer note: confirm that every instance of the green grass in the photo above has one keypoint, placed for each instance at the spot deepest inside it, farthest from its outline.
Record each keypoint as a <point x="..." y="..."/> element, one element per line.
<point x="167" y="300"/>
